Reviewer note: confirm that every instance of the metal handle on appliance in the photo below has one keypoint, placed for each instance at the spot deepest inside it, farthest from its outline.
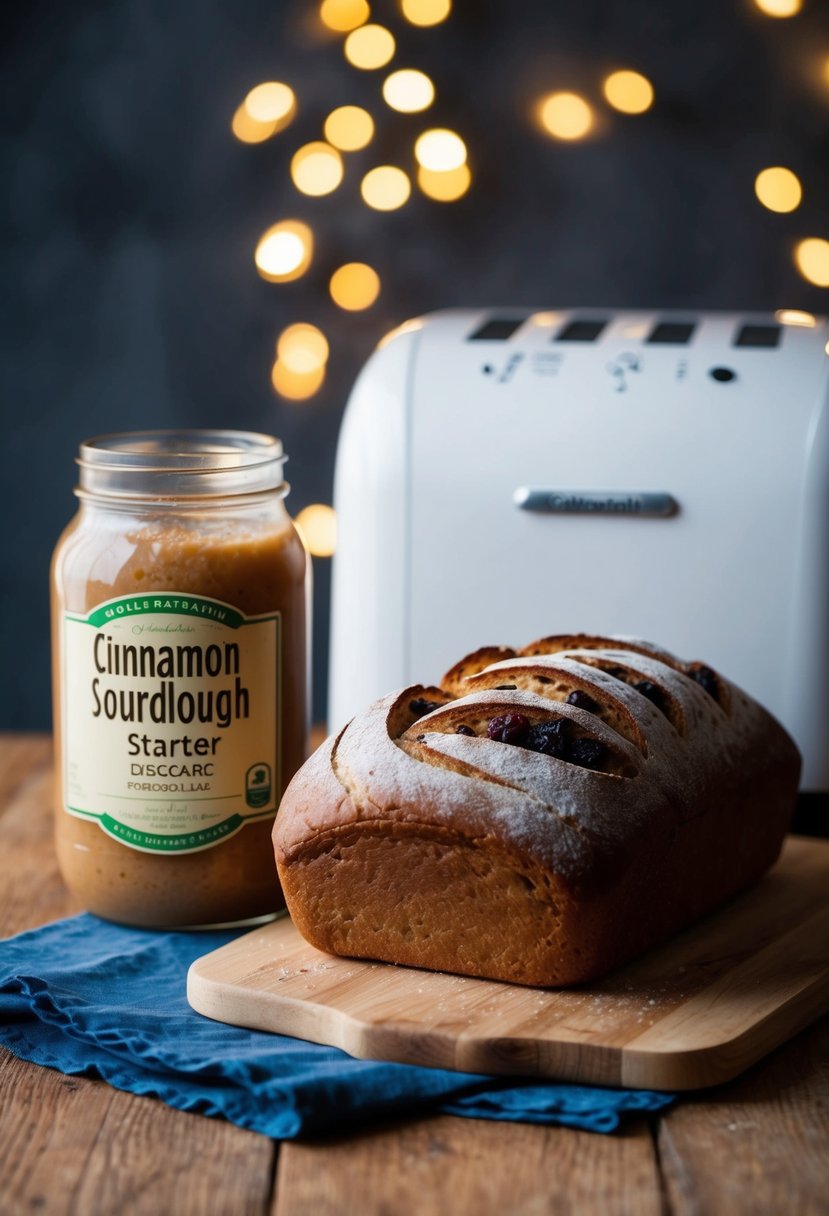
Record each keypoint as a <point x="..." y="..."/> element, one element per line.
<point x="648" y="503"/>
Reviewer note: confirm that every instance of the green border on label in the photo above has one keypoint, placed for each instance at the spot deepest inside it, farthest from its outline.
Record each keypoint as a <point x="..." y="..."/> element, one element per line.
<point x="173" y="604"/>
<point x="184" y="842"/>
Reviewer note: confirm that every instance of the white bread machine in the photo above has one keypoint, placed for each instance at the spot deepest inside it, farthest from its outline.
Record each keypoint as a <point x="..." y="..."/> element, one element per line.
<point x="505" y="475"/>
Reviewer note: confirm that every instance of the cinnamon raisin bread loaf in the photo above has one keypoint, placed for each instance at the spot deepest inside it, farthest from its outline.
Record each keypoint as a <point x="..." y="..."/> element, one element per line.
<point x="539" y="817"/>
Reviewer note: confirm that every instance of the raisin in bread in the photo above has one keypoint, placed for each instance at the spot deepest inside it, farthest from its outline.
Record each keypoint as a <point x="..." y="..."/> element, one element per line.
<point x="539" y="817"/>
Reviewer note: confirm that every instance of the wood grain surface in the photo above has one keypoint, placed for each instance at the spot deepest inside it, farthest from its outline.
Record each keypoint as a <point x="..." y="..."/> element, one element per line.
<point x="74" y="1146"/>
<point x="693" y="1013"/>
<point x="435" y="1167"/>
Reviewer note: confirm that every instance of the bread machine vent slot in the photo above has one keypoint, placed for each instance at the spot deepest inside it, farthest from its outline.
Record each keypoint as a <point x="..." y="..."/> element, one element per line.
<point x="673" y="333"/>
<point x="581" y="331"/>
<point x="758" y="335"/>
<point x="497" y="330"/>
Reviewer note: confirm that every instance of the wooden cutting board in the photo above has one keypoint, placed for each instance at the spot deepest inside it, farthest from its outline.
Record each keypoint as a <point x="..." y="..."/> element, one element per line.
<point x="694" y="1012"/>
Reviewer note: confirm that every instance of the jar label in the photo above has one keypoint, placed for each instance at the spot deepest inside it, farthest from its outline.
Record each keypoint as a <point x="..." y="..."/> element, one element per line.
<point x="170" y="719"/>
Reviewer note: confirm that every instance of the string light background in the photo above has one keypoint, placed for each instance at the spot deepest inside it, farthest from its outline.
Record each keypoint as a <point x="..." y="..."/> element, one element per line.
<point x="617" y="154"/>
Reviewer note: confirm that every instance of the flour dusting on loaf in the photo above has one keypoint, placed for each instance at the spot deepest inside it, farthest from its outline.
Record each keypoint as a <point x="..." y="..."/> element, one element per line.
<point x="540" y="816"/>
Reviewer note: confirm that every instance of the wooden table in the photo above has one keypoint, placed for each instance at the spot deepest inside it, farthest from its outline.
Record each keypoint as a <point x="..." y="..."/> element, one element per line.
<point x="758" y="1145"/>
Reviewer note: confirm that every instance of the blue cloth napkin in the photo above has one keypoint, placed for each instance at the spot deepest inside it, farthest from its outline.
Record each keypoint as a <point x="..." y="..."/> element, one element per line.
<point x="90" y="998"/>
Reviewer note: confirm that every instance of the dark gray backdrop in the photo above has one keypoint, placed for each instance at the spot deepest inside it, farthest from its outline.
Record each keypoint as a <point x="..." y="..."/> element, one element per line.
<point x="131" y="300"/>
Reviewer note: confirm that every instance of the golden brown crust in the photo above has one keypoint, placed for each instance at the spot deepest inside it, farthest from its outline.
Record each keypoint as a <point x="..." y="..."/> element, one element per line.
<point x="409" y="839"/>
<point x="557" y="642"/>
<point x="456" y="676"/>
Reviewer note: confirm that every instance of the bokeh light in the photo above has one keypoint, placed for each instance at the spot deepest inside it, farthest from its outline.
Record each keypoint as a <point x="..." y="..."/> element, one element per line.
<point x="778" y="189"/>
<point x="268" y="108"/>
<point x="317" y="169"/>
<point x="565" y="115"/>
<point x="272" y="101"/>
<point x="318" y="525"/>
<point x="794" y="316"/>
<point x="284" y="252"/>
<point x="426" y="12"/>
<point x="629" y="92"/>
<point x="247" y="130"/>
<point x="354" y="286"/>
<point x="344" y="15"/>
<point x="779" y="8"/>
<point x="369" y="47"/>
<point x="296" y="386"/>
<point x="444" y="187"/>
<point x="440" y="150"/>
<point x="408" y="91"/>
<point x="636" y="329"/>
<point x="811" y="257"/>
<point x="349" y="128"/>
<point x="385" y="188"/>
<point x="302" y="348"/>
<point x="546" y="319"/>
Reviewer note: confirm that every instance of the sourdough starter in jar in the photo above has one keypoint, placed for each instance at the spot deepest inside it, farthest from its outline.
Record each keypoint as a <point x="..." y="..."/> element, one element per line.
<point x="180" y="676"/>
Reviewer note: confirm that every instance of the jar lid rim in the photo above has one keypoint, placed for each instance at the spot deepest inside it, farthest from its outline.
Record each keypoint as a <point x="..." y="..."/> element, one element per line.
<point x="213" y="450"/>
<point x="181" y="464"/>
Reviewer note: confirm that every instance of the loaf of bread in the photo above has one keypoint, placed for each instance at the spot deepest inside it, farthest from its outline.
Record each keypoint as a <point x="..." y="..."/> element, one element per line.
<point x="540" y="817"/>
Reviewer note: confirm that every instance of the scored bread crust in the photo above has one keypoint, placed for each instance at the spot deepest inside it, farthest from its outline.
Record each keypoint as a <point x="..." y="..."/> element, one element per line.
<point x="403" y="840"/>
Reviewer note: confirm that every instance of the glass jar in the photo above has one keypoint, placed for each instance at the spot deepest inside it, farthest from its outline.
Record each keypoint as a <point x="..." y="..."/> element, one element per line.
<point x="180" y="664"/>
